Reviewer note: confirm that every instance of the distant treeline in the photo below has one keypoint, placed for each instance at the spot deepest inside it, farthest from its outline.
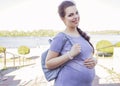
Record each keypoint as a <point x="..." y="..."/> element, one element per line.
<point x="47" y="32"/>
<point x="28" y="33"/>
<point x="106" y="32"/>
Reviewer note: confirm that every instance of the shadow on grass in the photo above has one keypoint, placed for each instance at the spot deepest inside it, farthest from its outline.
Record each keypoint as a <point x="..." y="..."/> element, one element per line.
<point x="5" y="80"/>
<point x="112" y="84"/>
<point x="10" y="79"/>
<point x="97" y="79"/>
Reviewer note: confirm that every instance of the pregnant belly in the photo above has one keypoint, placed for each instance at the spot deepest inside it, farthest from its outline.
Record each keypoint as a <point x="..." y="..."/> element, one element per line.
<point x="85" y="73"/>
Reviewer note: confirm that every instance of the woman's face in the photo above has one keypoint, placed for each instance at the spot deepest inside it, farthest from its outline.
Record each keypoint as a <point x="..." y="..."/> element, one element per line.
<point x="72" y="17"/>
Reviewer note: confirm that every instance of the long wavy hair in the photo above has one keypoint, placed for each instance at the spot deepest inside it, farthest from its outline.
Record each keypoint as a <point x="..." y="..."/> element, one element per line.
<point x="61" y="12"/>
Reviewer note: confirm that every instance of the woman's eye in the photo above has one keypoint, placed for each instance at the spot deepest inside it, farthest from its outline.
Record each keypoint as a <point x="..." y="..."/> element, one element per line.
<point x="70" y="15"/>
<point x="77" y="12"/>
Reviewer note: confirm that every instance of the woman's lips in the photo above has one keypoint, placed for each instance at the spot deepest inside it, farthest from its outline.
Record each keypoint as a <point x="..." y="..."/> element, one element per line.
<point x="75" y="22"/>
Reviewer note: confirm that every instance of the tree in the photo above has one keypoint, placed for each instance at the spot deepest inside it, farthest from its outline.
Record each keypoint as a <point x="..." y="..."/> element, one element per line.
<point x="105" y="47"/>
<point x="23" y="50"/>
<point x="117" y="44"/>
<point x="3" y="50"/>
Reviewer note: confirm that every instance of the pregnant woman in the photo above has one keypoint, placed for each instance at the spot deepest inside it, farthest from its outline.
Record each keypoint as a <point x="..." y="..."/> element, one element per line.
<point x="77" y="58"/>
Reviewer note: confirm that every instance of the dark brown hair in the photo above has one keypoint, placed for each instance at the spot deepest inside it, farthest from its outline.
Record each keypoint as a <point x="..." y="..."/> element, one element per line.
<point x="63" y="6"/>
<point x="61" y="11"/>
<point x="85" y="36"/>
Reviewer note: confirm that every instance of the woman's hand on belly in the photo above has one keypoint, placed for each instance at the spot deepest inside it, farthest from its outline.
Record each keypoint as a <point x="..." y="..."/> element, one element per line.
<point x="90" y="62"/>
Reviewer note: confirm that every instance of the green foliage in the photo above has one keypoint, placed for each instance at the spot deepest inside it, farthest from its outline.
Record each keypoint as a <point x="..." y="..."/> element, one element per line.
<point x="28" y="33"/>
<point x="105" y="32"/>
<point x="104" y="46"/>
<point x="45" y="32"/>
<point x="2" y="49"/>
<point x="117" y="44"/>
<point x="23" y="50"/>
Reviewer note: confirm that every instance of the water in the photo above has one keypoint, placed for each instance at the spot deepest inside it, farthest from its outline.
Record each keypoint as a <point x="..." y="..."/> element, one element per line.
<point x="32" y="42"/>
<point x="14" y="42"/>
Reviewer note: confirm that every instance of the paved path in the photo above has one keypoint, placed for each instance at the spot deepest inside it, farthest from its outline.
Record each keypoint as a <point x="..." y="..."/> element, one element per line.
<point x="33" y="76"/>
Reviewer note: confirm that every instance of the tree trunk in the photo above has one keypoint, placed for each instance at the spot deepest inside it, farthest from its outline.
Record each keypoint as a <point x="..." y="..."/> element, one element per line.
<point x="4" y="59"/>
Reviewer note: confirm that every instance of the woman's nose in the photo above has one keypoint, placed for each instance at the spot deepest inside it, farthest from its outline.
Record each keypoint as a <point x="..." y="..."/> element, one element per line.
<point x="76" y="16"/>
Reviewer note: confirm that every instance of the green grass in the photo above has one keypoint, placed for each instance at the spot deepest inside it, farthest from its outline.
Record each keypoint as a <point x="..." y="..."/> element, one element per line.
<point x="16" y="62"/>
<point x="16" y="59"/>
<point x="111" y="72"/>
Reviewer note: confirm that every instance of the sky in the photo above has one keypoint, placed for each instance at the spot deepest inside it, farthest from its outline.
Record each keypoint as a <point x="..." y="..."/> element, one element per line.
<point x="31" y="15"/>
